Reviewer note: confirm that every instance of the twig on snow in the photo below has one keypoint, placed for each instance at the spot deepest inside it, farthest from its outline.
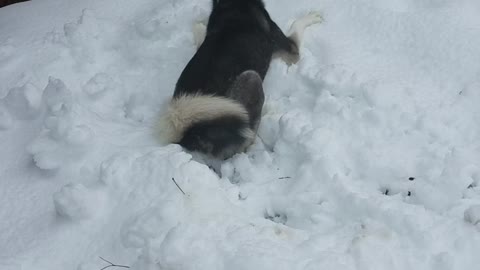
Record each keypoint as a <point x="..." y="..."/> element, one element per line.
<point x="112" y="264"/>
<point x="173" y="179"/>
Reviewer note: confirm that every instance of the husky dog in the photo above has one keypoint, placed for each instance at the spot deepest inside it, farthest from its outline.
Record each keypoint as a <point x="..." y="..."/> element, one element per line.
<point x="218" y="99"/>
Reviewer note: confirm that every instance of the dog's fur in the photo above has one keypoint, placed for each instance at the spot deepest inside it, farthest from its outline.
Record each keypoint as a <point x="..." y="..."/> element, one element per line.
<point x="218" y="99"/>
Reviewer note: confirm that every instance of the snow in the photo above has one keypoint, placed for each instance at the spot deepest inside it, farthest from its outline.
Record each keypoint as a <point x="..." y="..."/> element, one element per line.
<point x="368" y="155"/>
<point x="472" y="214"/>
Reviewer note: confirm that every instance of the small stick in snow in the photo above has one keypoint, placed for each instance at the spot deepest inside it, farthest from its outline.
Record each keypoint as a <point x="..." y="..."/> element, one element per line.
<point x="284" y="177"/>
<point x="112" y="264"/>
<point x="173" y="179"/>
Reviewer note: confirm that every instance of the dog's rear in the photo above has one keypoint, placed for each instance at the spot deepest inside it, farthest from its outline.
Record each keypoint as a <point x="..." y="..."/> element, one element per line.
<point x="217" y="103"/>
<point x="213" y="124"/>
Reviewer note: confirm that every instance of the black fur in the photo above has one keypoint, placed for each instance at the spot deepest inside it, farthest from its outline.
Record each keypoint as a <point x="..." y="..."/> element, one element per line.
<point x="232" y="62"/>
<point x="240" y="36"/>
<point x="217" y="137"/>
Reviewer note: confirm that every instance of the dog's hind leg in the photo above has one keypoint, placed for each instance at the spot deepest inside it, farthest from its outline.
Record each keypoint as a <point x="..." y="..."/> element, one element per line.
<point x="284" y="47"/>
<point x="247" y="89"/>
<point x="288" y="48"/>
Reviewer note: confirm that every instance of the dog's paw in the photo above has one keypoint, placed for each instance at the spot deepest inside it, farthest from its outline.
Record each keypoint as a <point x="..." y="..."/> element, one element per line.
<point x="314" y="17"/>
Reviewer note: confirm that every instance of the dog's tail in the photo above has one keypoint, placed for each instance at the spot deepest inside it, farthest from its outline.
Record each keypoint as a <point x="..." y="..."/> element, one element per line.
<point x="209" y="124"/>
<point x="216" y="125"/>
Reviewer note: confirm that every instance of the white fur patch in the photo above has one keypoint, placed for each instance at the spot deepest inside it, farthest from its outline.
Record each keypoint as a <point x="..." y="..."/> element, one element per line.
<point x="298" y="27"/>
<point x="187" y="110"/>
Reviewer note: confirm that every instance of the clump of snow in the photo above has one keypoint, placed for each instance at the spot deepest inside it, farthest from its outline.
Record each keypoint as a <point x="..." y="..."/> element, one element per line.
<point x="5" y="118"/>
<point x="73" y="202"/>
<point x="23" y="102"/>
<point x="98" y="85"/>
<point x="472" y="214"/>
<point x="57" y="98"/>
<point x="366" y="156"/>
<point x="61" y="140"/>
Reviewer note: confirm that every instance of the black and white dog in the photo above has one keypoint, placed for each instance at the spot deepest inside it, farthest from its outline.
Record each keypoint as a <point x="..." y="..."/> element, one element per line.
<point x="217" y="103"/>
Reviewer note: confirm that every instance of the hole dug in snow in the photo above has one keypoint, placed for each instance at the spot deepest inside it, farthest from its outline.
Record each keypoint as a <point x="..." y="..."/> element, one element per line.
<point x="276" y="217"/>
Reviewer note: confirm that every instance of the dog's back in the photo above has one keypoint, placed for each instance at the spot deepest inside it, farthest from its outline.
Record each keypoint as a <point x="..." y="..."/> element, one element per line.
<point x="237" y="39"/>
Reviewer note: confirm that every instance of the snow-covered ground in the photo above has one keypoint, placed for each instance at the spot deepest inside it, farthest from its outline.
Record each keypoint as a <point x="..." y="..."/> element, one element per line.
<point x="368" y="154"/>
